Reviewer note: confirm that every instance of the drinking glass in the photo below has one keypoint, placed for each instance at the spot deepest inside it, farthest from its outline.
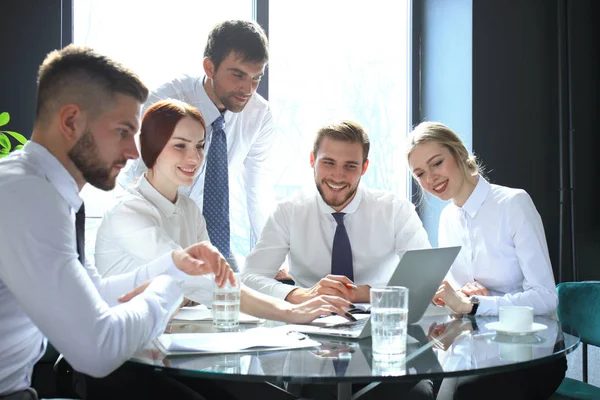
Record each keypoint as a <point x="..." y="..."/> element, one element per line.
<point x="389" y="316"/>
<point x="226" y="305"/>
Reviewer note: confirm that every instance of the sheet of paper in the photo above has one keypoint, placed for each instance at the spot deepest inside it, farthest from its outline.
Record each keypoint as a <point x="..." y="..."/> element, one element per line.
<point x="202" y="313"/>
<point x="257" y="339"/>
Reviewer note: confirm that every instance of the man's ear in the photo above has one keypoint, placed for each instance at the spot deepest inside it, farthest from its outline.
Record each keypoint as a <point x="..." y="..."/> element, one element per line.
<point x="209" y="67"/>
<point x="365" y="166"/>
<point x="312" y="159"/>
<point x="71" y="122"/>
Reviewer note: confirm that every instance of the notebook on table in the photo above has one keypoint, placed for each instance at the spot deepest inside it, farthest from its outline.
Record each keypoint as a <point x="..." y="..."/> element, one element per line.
<point x="251" y="340"/>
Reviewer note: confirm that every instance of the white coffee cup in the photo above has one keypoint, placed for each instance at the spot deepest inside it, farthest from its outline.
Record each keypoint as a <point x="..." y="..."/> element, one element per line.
<point x="516" y="318"/>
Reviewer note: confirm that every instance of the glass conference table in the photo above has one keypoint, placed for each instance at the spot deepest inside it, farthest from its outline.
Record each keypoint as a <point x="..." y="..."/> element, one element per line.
<point x="437" y="347"/>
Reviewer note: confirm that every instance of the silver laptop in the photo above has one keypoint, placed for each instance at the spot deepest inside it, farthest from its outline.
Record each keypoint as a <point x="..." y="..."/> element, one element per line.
<point x="421" y="271"/>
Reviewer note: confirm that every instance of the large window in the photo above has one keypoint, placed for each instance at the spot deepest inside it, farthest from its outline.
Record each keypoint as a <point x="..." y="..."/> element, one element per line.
<point x="330" y="60"/>
<point x="157" y="39"/>
<point x="340" y="59"/>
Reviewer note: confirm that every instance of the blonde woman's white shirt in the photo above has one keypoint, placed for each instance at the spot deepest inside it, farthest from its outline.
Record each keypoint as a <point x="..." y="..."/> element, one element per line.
<point x="143" y="224"/>
<point x="380" y="227"/>
<point x="503" y="248"/>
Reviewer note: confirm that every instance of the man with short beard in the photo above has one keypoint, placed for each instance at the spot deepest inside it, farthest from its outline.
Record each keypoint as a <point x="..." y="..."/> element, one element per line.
<point x="88" y="110"/>
<point x="379" y="226"/>
<point x="235" y="58"/>
<point x="304" y="228"/>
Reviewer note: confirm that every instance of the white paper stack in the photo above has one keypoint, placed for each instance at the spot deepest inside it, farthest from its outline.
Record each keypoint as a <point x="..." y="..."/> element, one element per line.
<point x="251" y="340"/>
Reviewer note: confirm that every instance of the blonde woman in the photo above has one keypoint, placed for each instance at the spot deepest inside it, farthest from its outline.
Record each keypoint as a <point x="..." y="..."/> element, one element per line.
<point x="504" y="257"/>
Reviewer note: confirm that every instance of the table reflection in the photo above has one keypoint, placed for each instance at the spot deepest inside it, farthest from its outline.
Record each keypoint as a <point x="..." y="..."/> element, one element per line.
<point x="436" y="347"/>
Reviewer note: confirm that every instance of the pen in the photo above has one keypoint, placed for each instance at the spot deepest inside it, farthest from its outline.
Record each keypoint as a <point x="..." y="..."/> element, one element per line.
<point x="351" y="286"/>
<point x="351" y="317"/>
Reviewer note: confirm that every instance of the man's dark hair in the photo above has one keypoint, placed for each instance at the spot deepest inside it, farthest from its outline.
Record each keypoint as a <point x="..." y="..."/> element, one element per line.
<point x="245" y="38"/>
<point x="80" y="75"/>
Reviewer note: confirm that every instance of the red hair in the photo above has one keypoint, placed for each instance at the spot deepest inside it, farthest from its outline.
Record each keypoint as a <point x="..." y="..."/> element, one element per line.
<point x="158" y="124"/>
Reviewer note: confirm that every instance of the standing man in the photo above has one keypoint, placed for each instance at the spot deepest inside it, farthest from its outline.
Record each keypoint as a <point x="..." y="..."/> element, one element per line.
<point x="341" y="238"/>
<point x="239" y="129"/>
<point x="88" y="110"/>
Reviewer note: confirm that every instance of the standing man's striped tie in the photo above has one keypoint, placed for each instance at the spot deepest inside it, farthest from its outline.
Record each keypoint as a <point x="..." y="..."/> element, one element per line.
<point x="216" y="189"/>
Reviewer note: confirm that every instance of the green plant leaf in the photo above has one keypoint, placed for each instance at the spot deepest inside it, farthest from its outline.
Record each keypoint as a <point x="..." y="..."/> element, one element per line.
<point x="20" y="138"/>
<point x="4" y="145"/>
<point x="18" y="147"/>
<point x="4" y="118"/>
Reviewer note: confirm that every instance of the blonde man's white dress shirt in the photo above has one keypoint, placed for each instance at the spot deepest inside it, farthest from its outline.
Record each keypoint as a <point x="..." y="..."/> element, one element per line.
<point x="250" y="147"/>
<point x="143" y="224"/>
<point x="503" y="248"/>
<point x="45" y="292"/>
<point x="380" y="227"/>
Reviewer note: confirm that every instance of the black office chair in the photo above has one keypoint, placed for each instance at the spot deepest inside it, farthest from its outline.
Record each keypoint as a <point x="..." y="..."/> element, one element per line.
<point x="52" y="378"/>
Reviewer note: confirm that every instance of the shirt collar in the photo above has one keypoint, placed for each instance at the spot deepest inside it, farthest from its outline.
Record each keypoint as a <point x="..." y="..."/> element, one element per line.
<point x="163" y="204"/>
<point x="210" y="112"/>
<point x="56" y="173"/>
<point x="477" y="198"/>
<point x="350" y="207"/>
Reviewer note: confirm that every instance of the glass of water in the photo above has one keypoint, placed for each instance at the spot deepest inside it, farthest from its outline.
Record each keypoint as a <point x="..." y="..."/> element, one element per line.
<point x="389" y="316"/>
<point x="226" y="305"/>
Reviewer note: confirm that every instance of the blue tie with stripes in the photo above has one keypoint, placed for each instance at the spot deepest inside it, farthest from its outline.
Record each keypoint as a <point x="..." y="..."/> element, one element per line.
<point x="215" y="206"/>
<point x="341" y="253"/>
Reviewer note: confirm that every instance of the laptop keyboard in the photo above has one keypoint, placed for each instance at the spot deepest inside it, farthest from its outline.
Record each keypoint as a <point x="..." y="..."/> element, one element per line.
<point x="349" y="326"/>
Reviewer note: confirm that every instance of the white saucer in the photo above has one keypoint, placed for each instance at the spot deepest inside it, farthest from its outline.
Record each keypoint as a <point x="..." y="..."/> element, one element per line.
<point x="498" y="327"/>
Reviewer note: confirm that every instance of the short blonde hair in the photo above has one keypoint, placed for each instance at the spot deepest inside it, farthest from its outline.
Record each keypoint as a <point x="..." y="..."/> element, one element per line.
<point x="439" y="133"/>
<point x="346" y="131"/>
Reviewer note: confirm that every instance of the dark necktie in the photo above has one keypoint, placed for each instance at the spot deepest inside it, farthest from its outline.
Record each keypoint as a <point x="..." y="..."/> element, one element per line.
<point x="341" y="253"/>
<point x="80" y="232"/>
<point x="215" y="205"/>
<point x="340" y="365"/>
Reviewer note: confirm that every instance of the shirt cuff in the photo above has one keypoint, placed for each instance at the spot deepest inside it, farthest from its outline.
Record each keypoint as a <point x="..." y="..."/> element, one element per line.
<point x="488" y="305"/>
<point x="165" y="265"/>
<point x="175" y="272"/>
<point x="281" y="290"/>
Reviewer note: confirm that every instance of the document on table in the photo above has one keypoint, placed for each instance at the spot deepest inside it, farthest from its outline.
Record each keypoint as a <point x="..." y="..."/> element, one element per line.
<point x="202" y="313"/>
<point x="251" y="340"/>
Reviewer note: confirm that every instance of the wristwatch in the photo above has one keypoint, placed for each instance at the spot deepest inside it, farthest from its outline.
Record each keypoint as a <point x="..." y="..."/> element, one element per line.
<point x="475" y="304"/>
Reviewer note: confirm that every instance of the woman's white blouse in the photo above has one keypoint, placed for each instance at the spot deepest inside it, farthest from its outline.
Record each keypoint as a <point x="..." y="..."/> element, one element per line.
<point x="503" y="248"/>
<point x="144" y="224"/>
